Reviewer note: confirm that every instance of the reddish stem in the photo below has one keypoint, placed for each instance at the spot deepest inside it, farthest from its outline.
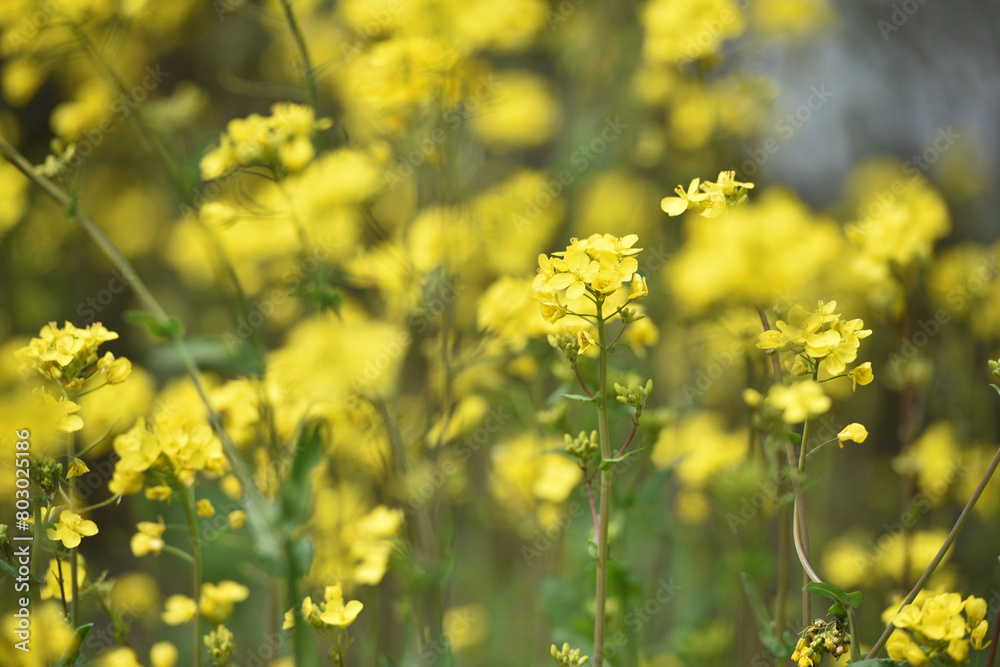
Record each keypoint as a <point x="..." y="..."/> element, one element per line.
<point x="631" y="435"/>
<point x="580" y="379"/>
<point x="590" y="495"/>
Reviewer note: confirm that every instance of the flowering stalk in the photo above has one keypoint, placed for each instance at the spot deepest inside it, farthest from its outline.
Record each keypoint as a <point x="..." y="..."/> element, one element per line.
<point x="602" y="535"/>
<point x="185" y="495"/>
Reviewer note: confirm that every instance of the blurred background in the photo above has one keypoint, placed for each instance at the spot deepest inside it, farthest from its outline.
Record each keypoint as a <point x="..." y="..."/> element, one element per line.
<point x="374" y="272"/>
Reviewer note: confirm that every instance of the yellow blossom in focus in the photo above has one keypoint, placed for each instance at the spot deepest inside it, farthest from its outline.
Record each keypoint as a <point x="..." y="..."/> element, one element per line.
<point x="712" y="199"/>
<point x="76" y="468"/>
<point x="855" y="432"/>
<point x="336" y="613"/>
<point x="861" y="375"/>
<point x="71" y="528"/>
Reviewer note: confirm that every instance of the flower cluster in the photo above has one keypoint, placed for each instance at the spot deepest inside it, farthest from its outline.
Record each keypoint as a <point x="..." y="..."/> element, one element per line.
<point x="568" y="657"/>
<point x="68" y="355"/>
<point x="824" y="343"/>
<point x="595" y="268"/>
<point x="175" y="446"/>
<point x="283" y="138"/>
<point x="933" y="628"/>
<point x="711" y="199"/>
<point x="818" y="639"/>
<point x="332" y="612"/>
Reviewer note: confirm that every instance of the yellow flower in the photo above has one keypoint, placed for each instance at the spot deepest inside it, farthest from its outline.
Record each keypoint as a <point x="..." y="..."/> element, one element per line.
<point x="800" y="400"/>
<point x="60" y="411"/>
<point x="163" y="654"/>
<point x="119" y="657"/>
<point x="71" y="528"/>
<point x="771" y="340"/>
<point x="289" y="619"/>
<point x="637" y="290"/>
<point x="148" y="539"/>
<point x="336" y="612"/>
<point x="958" y="649"/>
<point x="217" y="600"/>
<point x="978" y="634"/>
<point x="179" y="609"/>
<point x="901" y="647"/>
<point x="861" y="375"/>
<point x="674" y="206"/>
<point x="584" y="339"/>
<point x="114" y="370"/>
<point x="855" y="432"/>
<point x="975" y="610"/>
<point x="76" y="468"/>
<point x="159" y="492"/>
<point x="204" y="508"/>
<point x="236" y="519"/>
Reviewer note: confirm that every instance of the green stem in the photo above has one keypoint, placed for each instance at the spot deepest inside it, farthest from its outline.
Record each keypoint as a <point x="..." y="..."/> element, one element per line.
<point x="186" y="497"/>
<point x="183" y="555"/>
<point x="602" y="535"/>
<point x="852" y="624"/>
<point x="956" y="529"/>
<point x="110" y="500"/>
<point x="312" y="93"/>
<point x="305" y="651"/>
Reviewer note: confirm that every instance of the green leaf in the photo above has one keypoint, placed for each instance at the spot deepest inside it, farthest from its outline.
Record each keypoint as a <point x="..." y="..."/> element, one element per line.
<point x="168" y="329"/>
<point x="836" y="609"/>
<point x="580" y="397"/>
<point x="295" y="490"/>
<point x="998" y="391"/>
<point x="70" y="659"/>
<point x="607" y="463"/>
<point x="795" y="438"/>
<point x="833" y="593"/>
<point x="302" y="551"/>
<point x="776" y="646"/>
<point x="8" y="569"/>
